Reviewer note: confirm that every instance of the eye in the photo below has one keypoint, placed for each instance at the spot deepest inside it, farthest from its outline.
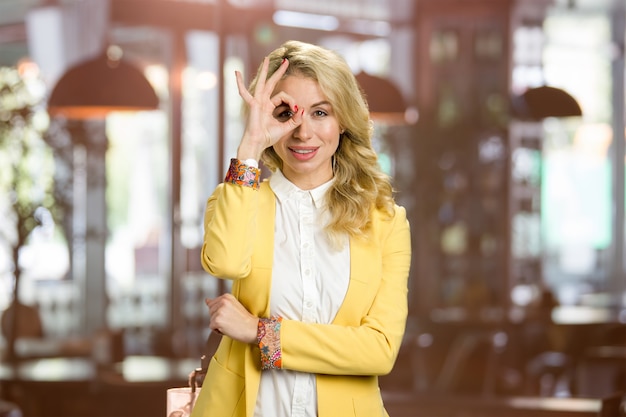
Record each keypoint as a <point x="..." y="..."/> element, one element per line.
<point x="320" y="113"/>
<point x="283" y="114"/>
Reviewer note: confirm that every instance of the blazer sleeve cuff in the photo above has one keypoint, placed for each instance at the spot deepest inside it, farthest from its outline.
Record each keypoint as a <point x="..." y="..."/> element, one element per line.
<point x="268" y="339"/>
<point x="240" y="173"/>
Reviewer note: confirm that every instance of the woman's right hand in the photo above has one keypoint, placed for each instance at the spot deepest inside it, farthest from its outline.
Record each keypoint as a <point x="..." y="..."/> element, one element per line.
<point x="263" y="129"/>
<point x="230" y="318"/>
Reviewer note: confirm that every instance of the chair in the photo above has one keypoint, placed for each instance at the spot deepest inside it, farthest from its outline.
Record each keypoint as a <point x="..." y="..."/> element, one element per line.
<point x="601" y="366"/>
<point x="28" y="325"/>
<point x="473" y="353"/>
<point x="8" y="409"/>
<point x="549" y="374"/>
<point x="613" y="406"/>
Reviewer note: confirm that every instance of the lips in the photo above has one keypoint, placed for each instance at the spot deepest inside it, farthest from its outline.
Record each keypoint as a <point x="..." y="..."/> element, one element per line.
<point x="303" y="154"/>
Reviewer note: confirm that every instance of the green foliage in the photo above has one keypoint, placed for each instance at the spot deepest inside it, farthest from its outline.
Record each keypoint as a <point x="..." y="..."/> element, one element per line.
<point x="27" y="174"/>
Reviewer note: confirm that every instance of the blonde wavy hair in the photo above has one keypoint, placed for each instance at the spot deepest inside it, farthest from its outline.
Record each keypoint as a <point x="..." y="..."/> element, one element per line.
<point x="360" y="185"/>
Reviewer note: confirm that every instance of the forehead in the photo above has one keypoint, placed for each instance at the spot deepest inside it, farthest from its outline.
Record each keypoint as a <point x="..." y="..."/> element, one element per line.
<point x="303" y="89"/>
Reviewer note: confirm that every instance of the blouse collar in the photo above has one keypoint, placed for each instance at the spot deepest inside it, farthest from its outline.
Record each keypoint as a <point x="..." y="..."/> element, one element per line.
<point x="285" y="189"/>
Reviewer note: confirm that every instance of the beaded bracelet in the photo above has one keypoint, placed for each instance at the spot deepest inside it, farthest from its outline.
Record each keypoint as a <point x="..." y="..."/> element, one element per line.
<point x="268" y="339"/>
<point x="241" y="174"/>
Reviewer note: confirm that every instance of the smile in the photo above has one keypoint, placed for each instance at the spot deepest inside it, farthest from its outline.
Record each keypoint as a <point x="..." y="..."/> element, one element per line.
<point x="302" y="155"/>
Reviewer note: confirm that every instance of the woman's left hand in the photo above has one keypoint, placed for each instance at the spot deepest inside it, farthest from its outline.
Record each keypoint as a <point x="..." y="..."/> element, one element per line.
<point x="229" y="317"/>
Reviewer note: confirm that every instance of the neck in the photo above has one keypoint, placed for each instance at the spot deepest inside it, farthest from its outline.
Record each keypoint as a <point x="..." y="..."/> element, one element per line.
<point x="308" y="182"/>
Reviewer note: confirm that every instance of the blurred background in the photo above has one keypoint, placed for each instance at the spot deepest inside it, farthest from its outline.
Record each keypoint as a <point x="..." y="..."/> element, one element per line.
<point x="501" y="122"/>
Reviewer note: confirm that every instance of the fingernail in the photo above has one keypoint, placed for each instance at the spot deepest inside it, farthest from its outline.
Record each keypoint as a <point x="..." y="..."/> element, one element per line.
<point x="295" y="108"/>
<point x="284" y="59"/>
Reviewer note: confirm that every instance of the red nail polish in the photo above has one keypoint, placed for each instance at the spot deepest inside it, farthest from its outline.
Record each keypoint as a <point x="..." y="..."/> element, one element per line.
<point x="295" y="108"/>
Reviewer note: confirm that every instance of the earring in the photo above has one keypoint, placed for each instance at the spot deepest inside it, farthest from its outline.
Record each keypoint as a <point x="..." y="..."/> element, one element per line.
<point x="334" y="162"/>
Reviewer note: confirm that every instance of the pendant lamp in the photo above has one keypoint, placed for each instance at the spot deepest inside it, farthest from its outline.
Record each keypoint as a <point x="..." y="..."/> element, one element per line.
<point x="386" y="103"/>
<point x="100" y="85"/>
<point x="538" y="103"/>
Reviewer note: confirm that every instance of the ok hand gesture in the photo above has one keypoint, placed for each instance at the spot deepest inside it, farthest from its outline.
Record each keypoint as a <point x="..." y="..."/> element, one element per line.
<point x="263" y="129"/>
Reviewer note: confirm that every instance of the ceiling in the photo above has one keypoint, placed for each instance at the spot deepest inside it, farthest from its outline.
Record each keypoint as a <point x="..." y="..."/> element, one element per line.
<point x="197" y="14"/>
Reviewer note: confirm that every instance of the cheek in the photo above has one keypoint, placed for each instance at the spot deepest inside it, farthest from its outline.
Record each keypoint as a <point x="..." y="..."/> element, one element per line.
<point x="280" y="148"/>
<point x="331" y="136"/>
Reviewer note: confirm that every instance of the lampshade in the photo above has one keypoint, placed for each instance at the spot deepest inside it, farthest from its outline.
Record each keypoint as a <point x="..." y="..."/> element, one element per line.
<point x="101" y="85"/>
<point x="386" y="103"/>
<point x="543" y="102"/>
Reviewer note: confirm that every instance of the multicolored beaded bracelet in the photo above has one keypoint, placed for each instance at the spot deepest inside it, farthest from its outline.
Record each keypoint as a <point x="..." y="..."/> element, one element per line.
<point x="268" y="339"/>
<point x="241" y="174"/>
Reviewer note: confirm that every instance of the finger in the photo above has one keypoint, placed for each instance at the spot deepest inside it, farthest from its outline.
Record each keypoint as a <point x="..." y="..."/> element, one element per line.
<point x="213" y="304"/>
<point x="260" y="84"/>
<point x="277" y="75"/>
<point x="243" y="91"/>
<point x="215" y="327"/>
<point x="281" y="98"/>
<point x="214" y="318"/>
<point x="219" y="301"/>
<point x="295" y="120"/>
<point x="228" y="296"/>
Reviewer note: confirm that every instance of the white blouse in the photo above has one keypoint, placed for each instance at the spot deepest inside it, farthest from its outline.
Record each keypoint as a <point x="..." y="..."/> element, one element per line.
<point x="309" y="283"/>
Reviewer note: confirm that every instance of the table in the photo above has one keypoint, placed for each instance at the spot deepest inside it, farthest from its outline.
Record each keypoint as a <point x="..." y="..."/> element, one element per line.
<point x="48" y="370"/>
<point x="79" y="387"/>
<point x="410" y="404"/>
<point x="461" y="352"/>
<point x="50" y="386"/>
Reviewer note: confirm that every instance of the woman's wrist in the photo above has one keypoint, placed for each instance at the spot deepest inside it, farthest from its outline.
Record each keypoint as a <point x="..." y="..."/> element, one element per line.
<point x="249" y="151"/>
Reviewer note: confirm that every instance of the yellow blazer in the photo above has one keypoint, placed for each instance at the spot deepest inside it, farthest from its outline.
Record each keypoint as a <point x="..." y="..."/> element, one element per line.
<point x="347" y="355"/>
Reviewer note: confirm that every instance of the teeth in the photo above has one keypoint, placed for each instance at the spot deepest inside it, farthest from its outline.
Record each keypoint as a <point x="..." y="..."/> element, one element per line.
<point x="302" y="151"/>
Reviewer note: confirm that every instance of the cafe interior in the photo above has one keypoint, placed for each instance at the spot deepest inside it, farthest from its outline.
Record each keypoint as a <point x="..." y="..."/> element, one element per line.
<point x="496" y="119"/>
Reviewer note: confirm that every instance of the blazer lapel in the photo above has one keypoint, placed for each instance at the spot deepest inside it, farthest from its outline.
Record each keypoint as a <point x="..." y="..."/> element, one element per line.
<point x="360" y="273"/>
<point x="265" y="245"/>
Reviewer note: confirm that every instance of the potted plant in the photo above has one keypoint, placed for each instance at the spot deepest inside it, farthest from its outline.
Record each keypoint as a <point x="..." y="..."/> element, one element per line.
<point x="27" y="192"/>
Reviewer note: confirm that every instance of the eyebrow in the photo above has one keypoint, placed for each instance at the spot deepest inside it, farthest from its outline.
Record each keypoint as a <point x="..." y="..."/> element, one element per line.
<point x="321" y="103"/>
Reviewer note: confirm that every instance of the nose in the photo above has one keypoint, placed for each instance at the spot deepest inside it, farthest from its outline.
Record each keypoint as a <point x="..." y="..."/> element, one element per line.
<point x="304" y="131"/>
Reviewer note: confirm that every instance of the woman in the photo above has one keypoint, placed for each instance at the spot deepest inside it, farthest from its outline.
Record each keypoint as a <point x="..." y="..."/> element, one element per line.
<point x="319" y="254"/>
